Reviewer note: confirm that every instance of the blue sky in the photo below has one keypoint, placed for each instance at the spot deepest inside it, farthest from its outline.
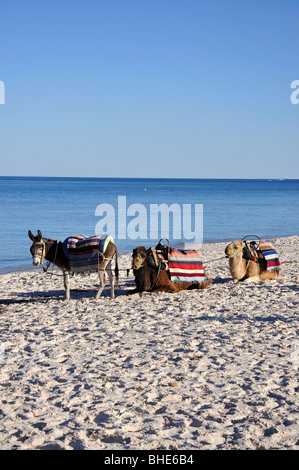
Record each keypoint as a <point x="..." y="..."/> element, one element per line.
<point x="170" y="88"/>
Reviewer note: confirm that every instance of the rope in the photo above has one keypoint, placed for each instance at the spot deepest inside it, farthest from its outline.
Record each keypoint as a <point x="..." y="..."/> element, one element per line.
<point x="215" y="259"/>
<point x="127" y="270"/>
<point x="159" y="269"/>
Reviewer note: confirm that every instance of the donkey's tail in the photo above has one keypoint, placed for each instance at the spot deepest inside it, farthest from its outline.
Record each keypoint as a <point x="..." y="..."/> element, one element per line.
<point x="116" y="271"/>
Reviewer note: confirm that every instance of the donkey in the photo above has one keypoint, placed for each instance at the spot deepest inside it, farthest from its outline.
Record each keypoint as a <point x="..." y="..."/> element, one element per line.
<point x="52" y="251"/>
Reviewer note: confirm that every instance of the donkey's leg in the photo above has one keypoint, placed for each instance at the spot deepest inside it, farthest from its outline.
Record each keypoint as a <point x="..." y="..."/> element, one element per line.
<point x="111" y="278"/>
<point x="66" y="279"/>
<point x="102" y="282"/>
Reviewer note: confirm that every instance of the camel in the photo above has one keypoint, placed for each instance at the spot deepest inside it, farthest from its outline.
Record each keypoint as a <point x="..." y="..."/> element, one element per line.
<point x="51" y="250"/>
<point x="247" y="270"/>
<point x="149" y="279"/>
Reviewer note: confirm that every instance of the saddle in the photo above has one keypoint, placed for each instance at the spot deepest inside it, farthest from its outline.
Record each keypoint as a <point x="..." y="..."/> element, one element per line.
<point x="182" y="265"/>
<point x="260" y="252"/>
<point x="85" y="253"/>
<point x="250" y="251"/>
<point x="157" y="257"/>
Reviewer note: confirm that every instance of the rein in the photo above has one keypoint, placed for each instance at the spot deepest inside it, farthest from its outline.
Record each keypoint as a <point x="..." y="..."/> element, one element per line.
<point x="42" y="257"/>
<point x="221" y="257"/>
<point x="45" y="270"/>
<point x="158" y="272"/>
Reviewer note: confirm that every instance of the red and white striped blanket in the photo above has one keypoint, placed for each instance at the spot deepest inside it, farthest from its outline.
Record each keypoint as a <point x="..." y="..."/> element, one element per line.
<point x="185" y="265"/>
<point x="270" y="254"/>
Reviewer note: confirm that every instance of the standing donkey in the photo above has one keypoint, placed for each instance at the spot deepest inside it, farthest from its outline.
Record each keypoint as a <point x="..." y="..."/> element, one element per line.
<point x="53" y="251"/>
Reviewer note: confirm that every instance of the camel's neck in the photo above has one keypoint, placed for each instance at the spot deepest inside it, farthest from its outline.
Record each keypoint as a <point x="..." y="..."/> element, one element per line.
<point x="237" y="266"/>
<point x="143" y="277"/>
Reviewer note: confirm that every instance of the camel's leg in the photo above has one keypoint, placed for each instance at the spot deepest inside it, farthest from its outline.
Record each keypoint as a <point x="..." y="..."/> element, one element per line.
<point x="66" y="280"/>
<point x="247" y="280"/>
<point x="269" y="275"/>
<point x="164" y="289"/>
<point x="102" y="283"/>
<point x="204" y="284"/>
<point x="133" y="291"/>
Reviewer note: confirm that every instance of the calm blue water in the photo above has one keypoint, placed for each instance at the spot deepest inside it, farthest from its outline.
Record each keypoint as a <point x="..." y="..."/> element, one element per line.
<point x="61" y="207"/>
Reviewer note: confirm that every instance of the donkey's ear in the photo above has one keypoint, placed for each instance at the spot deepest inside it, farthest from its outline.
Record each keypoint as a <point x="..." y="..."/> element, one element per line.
<point x="30" y="235"/>
<point x="39" y="235"/>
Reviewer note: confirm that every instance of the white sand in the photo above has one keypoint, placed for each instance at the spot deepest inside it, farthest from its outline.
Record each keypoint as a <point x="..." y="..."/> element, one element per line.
<point x="210" y="369"/>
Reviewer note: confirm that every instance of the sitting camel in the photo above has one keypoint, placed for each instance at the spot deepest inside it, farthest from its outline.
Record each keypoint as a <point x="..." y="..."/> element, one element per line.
<point x="243" y="269"/>
<point x="150" y="279"/>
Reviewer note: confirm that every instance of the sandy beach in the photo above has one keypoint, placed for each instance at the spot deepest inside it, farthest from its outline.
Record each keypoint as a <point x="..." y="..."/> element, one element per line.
<point x="207" y="369"/>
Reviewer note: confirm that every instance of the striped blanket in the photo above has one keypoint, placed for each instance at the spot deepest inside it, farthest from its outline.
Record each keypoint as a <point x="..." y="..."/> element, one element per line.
<point x="185" y="265"/>
<point x="84" y="252"/>
<point x="271" y="256"/>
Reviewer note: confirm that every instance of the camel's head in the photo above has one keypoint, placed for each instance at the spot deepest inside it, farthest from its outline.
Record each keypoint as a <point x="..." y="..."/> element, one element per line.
<point x="234" y="248"/>
<point x="139" y="256"/>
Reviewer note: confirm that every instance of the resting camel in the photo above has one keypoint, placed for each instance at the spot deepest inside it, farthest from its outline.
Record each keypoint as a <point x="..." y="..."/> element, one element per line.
<point x="147" y="281"/>
<point x="243" y="269"/>
<point x="51" y="250"/>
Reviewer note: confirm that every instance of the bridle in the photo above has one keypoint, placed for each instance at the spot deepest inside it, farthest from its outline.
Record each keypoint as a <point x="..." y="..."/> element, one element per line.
<point x="35" y="250"/>
<point x="234" y="253"/>
<point x="137" y="262"/>
<point x="253" y="245"/>
<point x="140" y="264"/>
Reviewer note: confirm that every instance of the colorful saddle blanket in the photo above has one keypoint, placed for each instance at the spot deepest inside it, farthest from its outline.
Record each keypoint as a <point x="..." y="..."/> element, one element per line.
<point x="84" y="252"/>
<point x="270" y="255"/>
<point x="185" y="265"/>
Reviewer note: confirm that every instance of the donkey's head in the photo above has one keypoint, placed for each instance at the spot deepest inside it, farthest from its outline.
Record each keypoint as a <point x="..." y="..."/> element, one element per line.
<point x="37" y="248"/>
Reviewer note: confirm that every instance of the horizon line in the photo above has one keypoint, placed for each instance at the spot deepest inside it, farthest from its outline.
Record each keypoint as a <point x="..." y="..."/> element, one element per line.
<point x="150" y="177"/>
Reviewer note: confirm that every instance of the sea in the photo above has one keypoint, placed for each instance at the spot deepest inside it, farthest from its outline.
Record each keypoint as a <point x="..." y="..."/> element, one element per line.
<point x="227" y="209"/>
